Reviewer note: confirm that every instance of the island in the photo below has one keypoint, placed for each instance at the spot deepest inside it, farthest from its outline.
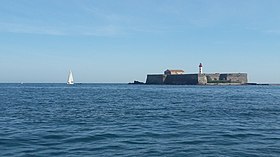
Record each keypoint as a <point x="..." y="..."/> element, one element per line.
<point x="177" y="77"/>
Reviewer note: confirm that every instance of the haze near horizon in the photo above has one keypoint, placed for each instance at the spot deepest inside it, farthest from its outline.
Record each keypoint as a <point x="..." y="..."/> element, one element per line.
<point x="121" y="41"/>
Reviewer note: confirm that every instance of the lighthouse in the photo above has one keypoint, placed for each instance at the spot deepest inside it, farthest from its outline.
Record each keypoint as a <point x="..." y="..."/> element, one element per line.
<point x="200" y="68"/>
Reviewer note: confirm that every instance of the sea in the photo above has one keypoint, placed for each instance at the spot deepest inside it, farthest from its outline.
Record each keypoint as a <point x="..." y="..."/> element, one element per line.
<point x="139" y="120"/>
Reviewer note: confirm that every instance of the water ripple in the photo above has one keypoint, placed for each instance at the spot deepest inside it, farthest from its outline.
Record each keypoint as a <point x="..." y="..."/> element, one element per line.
<point x="127" y="120"/>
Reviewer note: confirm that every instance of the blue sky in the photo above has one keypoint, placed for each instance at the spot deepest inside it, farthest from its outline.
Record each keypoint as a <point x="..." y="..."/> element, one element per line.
<point x="123" y="40"/>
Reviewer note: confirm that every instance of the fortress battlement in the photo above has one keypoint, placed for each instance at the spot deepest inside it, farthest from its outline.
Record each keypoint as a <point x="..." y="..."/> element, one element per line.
<point x="172" y="78"/>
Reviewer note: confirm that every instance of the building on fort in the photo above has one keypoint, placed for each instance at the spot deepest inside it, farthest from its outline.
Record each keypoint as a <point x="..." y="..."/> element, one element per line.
<point x="173" y="72"/>
<point x="177" y="77"/>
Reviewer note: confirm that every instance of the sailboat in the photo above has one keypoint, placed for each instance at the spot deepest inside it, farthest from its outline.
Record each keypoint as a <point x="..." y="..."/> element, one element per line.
<point x="70" y="80"/>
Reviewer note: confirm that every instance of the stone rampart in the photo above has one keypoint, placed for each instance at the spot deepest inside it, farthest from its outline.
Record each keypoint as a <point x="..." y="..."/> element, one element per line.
<point x="155" y="79"/>
<point x="213" y="77"/>
<point x="183" y="79"/>
<point x="227" y="78"/>
<point x="198" y="79"/>
<point x="237" y="78"/>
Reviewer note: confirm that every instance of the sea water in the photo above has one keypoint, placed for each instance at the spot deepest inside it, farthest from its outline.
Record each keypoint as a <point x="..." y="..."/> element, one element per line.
<point x="139" y="120"/>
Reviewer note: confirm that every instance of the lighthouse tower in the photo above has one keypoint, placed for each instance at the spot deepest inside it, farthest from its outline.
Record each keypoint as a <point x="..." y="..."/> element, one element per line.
<point x="200" y="68"/>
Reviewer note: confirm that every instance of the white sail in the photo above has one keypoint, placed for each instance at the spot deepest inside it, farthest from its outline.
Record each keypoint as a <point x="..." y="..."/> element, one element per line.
<point x="70" y="78"/>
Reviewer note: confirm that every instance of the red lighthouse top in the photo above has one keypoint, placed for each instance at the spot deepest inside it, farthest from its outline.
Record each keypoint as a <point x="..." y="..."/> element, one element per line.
<point x="200" y="65"/>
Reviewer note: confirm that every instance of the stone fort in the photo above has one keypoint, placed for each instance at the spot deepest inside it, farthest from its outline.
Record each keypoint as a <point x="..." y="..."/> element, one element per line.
<point x="177" y="77"/>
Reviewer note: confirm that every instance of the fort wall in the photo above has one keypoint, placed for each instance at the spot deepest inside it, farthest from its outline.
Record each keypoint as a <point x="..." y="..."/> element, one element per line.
<point x="199" y="79"/>
<point x="240" y="78"/>
<point x="213" y="77"/>
<point x="182" y="79"/>
<point x="155" y="79"/>
<point x="237" y="78"/>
